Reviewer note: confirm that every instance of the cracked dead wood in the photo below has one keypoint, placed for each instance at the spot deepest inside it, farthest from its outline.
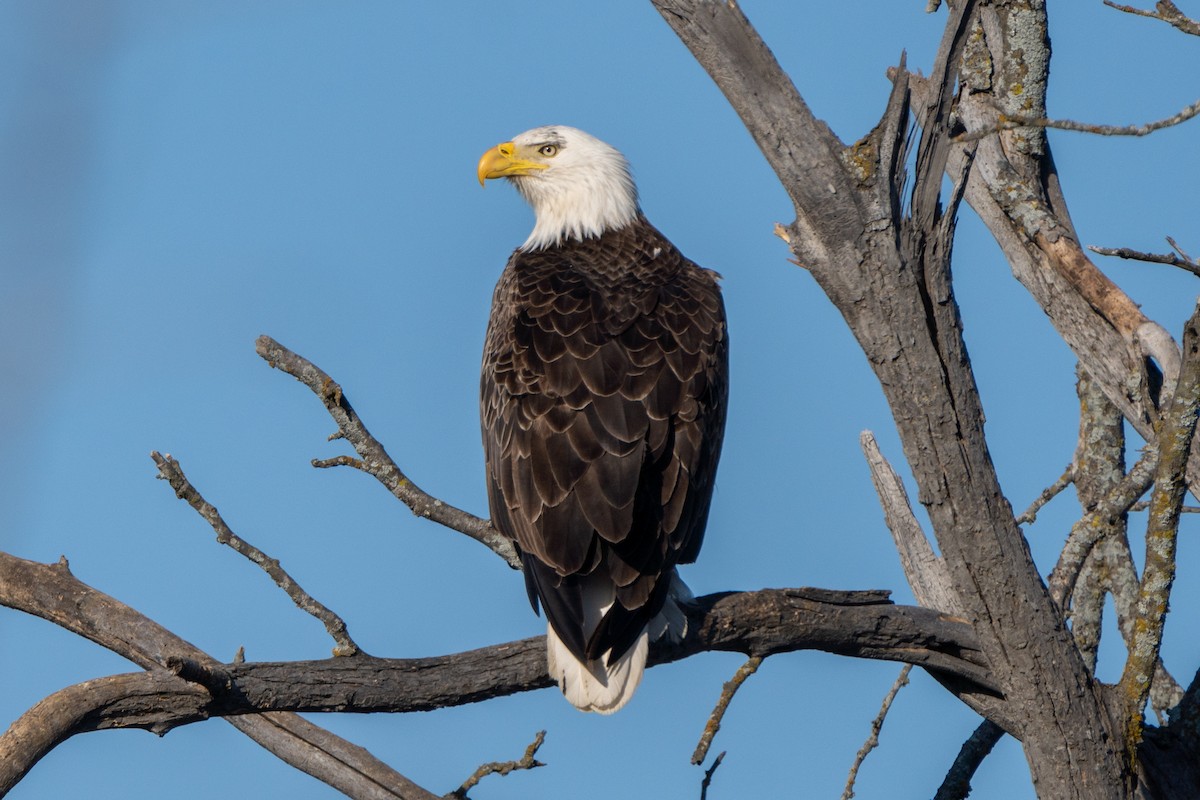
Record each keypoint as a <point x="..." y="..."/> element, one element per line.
<point x="1098" y="472"/>
<point x="925" y="571"/>
<point x="882" y="255"/>
<point x="1015" y="190"/>
<point x="51" y="592"/>
<point x="861" y="624"/>
<point x="888" y="274"/>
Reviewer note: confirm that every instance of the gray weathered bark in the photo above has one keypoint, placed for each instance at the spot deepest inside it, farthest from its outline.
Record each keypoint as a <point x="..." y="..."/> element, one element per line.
<point x="883" y="256"/>
<point x="889" y="275"/>
<point x="184" y="686"/>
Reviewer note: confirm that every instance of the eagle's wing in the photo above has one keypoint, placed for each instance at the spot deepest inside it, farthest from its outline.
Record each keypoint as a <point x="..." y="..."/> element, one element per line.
<point x="603" y="397"/>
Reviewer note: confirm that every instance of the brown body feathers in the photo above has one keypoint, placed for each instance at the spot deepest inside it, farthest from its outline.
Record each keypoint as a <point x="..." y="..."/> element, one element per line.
<point x="603" y="396"/>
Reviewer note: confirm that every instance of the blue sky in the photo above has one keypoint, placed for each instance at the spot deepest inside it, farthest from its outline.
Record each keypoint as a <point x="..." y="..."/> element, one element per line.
<point x="178" y="178"/>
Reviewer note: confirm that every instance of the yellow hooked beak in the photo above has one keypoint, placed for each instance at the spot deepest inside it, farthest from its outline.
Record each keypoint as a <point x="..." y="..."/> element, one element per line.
<point x="502" y="161"/>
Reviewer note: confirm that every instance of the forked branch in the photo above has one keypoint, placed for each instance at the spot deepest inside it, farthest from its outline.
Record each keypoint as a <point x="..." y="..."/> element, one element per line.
<point x="374" y="459"/>
<point x="861" y="624"/>
<point x="51" y="592"/>
<point x="1164" y="10"/>
<point x="170" y="471"/>
<point x="1162" y="530"/>
<point x="1176" y="259"/>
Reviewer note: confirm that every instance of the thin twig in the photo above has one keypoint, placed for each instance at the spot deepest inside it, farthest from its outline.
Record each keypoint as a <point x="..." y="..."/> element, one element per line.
<point x="526" y="761"/>
<point x="1176" y="259"/>
<point x="170" y="471"/>
<point x="1162" y="530"/>
<point x="957" y="783"/>
<point x="727" y="692"/>
<point x="375" y="458"/>
<point x="876" y="726"/>
<point x="708" y="775"/>
<point x="1175" y="246"/>
<point x="1029" y="515"/>
<point x="339" y="461"/>
<point x="1166" y="11"/>
<point x="1008" y="122"/>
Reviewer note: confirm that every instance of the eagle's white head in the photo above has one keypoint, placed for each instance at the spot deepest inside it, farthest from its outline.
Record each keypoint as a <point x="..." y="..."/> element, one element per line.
<point x="578" y="185"/>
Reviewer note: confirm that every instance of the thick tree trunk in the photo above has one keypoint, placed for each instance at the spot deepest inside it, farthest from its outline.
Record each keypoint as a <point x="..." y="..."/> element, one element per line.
<point x="889" y="275"/>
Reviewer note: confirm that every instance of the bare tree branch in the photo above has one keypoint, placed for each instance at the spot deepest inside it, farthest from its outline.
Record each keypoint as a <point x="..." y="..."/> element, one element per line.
<point x="170" y="471"/>
<point x="136" y="700"/>
<point x="347" y="767"/>
<point x="718" y="713"/>
<point x="1176" y="259"/>
<point x="87" y="707"/>
<point x="1142" y="505"/>
<point x="526" y="761"/>
<point x="757" y="623"/>
<point x="1166" y="11"/>
<point x="1114" y="560"/>
<point x="876" y="726"/>
<point x="1162" y="530"/>
<point x="1099" y="465"/>
<point x="708" y="775"/>
<point x="770" y="621"/>
<point x="1029" y="515"/>
<point x="957" y="783"/>
<point x="1109" y="568"/>
<point x="925" y="572"/>
<point x="375" y="459"/>
<point x="888" y="274"/>
<point x="339" y="461"/>
<point x="1087" y="531"/>
<point x="1016" y="193"/>
<point x="1007" y="122"/>
<point x="51" y="592"/>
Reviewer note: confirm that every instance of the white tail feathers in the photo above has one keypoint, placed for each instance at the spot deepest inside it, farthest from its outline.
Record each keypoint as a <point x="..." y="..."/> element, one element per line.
<point x="604" y="688"/>
<point x="593" y="685"/>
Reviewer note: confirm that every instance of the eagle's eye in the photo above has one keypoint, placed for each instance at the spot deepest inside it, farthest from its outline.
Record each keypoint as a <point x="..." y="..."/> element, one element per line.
<point x="548" y="150"/>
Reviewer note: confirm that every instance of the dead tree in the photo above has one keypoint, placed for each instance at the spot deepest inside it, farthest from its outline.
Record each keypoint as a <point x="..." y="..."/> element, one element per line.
<point x="883" y="258"/>
<point x="875" y="229"/>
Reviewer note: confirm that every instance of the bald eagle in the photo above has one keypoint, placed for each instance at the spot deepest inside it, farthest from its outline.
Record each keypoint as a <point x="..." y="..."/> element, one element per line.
<point x="603" y="396"/>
